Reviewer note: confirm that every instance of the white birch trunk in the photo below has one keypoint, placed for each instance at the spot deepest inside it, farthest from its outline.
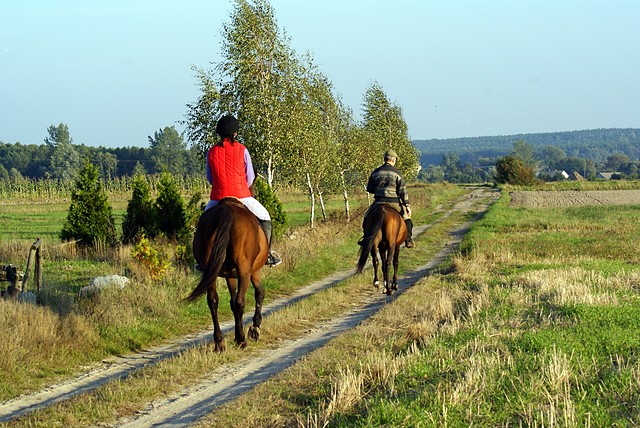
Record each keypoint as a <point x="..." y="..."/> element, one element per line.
<point x="313" y="201"/>
<point x="324" y="212"/>
<point x="345" y="197"/>
<point x="270" y="171"/>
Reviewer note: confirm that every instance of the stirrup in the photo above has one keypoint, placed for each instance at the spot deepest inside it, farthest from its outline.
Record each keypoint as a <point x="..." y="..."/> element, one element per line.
<point x="273" y="259"/>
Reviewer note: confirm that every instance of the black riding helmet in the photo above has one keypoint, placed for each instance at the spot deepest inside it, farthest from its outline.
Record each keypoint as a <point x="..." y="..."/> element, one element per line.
<point x="227" y="126"/>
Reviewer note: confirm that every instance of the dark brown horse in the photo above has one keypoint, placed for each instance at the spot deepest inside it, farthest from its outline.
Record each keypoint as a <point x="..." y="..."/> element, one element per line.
<point x="229" y="243"/>
<point x="384" y="232"/>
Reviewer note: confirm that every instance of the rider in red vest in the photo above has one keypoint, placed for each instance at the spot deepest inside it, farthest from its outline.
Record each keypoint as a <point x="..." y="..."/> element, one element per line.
<point x="230" y="172"/>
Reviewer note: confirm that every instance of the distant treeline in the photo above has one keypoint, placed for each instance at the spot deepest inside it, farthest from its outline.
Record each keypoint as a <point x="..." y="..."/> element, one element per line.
<point x="595" y="145"/>
<point x="34" y="161"/>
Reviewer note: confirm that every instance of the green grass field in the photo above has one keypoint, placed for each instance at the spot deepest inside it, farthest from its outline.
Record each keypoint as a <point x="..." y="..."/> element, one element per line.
<point x="545" y="330"/>
<point x="534" y="322"/>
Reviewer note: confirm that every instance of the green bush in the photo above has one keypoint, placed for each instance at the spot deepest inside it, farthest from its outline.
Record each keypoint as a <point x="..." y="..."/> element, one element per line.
<point x="139" y="218"/>
<point x="193" y="211"/>
<point x="90" y="218"/>
<point x="265" y="195"/>
<point x="155" y="263"/>
<point x="513" y="170"/>
<point x="171" y="217"/>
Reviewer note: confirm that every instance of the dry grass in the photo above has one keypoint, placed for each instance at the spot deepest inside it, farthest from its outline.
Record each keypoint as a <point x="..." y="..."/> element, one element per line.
<point x="32" y="333"/>
<point x="549" y="401"/>
<point x="343" y="378"/>
<point x="144" y="299"/>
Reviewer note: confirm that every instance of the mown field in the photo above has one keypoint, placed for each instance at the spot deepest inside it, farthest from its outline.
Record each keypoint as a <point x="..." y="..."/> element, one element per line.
<point x="534" y="322"/>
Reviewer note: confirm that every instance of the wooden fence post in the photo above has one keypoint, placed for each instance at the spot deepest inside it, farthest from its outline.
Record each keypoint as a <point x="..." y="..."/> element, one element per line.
<point x="35" y="248"/>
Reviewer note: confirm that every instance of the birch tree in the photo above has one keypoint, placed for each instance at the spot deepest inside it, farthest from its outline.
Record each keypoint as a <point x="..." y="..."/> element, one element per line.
<point x="385" y="128"/>
<point x="251" y="83"/>
<point x="312" y="152"/>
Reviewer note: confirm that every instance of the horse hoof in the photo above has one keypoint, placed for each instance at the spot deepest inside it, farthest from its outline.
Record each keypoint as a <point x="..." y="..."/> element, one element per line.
<point x="254" y="333"/>
<point x="394" y="286"/>
<point x="242" y="345"/>
<point x="219" y="347"/>
<point x="376" y="284"/>
<point x="388" y="292"/>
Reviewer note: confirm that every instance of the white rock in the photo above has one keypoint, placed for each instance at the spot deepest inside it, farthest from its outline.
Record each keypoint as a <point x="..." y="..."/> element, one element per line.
<point x="101" y="282"/>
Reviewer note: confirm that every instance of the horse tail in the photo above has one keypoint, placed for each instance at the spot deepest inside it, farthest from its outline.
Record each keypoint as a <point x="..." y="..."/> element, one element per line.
<point x="218" y="254"/>
<point x="376" y="219"/>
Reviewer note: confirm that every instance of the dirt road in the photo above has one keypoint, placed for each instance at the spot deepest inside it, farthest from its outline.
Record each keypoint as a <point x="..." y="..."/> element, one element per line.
<point x="190" y="404"/>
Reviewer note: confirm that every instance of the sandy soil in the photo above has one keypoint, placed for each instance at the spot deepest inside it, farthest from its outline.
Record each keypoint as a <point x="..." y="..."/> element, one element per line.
<point x="574" y="198"/>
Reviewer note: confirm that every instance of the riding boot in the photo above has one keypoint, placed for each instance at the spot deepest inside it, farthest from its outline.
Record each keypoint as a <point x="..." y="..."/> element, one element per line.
<point x="409" y="242"/>
<point x="272" y="259"/>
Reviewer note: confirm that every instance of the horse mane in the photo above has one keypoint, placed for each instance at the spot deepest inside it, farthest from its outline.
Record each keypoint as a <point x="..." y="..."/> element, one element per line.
<point x="375" y="219"/>
<point x="222" y="221"/>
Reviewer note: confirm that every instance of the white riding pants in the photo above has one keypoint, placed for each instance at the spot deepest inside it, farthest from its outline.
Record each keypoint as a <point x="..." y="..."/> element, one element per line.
<point x="252" y="204"/>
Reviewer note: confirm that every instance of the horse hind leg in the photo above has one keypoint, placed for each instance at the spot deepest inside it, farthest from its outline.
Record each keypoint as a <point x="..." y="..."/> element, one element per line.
<point x="394" y="282"/>
<point x="254" y="330"/>
<point x="386" y="260"/>
<point x="375" y="261"/>
<point x="212" y="302"/>
<point x="238" y="309"/>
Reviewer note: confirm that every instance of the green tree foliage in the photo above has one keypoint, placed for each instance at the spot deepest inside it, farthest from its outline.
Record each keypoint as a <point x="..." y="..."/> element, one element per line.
<point x="154" y="262"/>
<point x="58" y="135"/>
<point x="170" y="210"/>
<point x="551" y="155"/>
<point x="315" y="152"/>
<point x="168" y="151"/>
<point x="432" y="174"/>
<point x="451" y="166"/>
<point x="253" y="82"/>
<point x="90" y="218"/>
<point x="139" y="169"/>
<point x="524" y="151"/>
<point x="107" y="164"/>
<point x="31" y="160"/>
<point x="386" y="128"/>
<point x="615" y="161"/>
<point x="513" y="170"/>
<point x="453" y="170"/>
<point x="572" y="164"/>
<point x="350" y="164"/>
<point x="65" y="160"/>
<point x="270" y="201"/>
<point x="139" y="219"/>
<point x="193" y="211"/>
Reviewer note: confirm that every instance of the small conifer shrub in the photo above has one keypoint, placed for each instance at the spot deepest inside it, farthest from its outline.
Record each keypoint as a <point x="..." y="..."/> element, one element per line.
<point x="90" y="217"/>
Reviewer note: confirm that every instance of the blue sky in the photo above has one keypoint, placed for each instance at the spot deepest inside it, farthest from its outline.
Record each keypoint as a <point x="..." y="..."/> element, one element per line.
<point x="117" y="71"/>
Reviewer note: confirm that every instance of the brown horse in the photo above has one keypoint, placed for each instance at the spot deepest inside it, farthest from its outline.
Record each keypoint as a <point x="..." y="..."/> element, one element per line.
<point x="384" y="232"/>
<point x="229" y="243"/>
